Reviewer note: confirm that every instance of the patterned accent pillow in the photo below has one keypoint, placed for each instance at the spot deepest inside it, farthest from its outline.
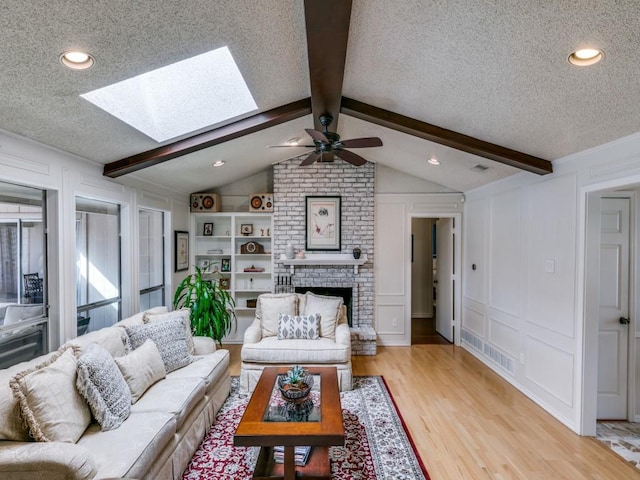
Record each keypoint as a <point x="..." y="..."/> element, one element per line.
<point x="170" y="338"/>
<point x="306" y="327"/>
<point x="184" y="313"/>
<point x="105" y="389"/>
<point x="49" y="400"/>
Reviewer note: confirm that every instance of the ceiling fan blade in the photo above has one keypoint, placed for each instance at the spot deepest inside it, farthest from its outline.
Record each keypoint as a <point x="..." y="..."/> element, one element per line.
<point x="352" y="158"/>
<point x="327" y="26"/>
<point x="313" y="156"/>
<point x="362" y="142"/>
<point x="317" y="135"/>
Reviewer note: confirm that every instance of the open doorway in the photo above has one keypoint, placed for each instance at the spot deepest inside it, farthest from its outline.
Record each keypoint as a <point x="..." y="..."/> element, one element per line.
<point x="432" y="247"/>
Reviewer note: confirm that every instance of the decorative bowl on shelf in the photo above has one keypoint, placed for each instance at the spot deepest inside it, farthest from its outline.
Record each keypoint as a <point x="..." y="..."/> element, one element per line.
<point x="295" y="385"/>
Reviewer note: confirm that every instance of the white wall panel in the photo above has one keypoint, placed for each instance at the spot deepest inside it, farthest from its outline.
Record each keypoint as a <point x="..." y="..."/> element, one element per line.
<point x="474" y="321"/>
<point x="505" y="252"/>
<point x="475" y="235"/>
<point x="390" y="264"/>
<point x="390" y="319"/>
<point x="504" y="336"/>
<point x="551" y="254"/>
<point x="550" y="369"/>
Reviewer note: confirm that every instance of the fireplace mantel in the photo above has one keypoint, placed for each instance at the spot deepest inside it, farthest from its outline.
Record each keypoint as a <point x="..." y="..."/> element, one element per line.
<point x="312" y="259"/>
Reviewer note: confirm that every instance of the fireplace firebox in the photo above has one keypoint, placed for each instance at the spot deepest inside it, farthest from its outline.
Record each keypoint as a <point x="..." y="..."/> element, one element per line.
<point x="345" y="293"/>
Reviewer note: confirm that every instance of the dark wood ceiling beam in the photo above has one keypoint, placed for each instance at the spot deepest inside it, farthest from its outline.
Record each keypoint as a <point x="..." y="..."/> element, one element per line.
<point x="327" y="25"/>
<point x="446" y="137"/>
<point x="209" y="138"/>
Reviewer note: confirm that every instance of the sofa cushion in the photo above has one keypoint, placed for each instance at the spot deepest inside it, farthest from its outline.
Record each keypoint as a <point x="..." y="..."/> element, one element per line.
<point x="270" y="306"/>
<point x="329" y="310"/>
<point x="101" y="383"/>
<point x="141" y="368"/>
<point x="177" y="396"/>
<point x="183" y="313"/>
<point x="170" y="338"/>
<point x="299" y="326"/>
<point x="49" y="401"/>
<point x="113" y="340"/>
<point x="210" y="368"/>
<point x="135" y="444"/>
<point x="272" y="350"/>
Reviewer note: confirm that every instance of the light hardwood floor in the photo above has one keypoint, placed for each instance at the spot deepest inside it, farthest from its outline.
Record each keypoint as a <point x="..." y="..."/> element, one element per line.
<point x="468" y="423"/>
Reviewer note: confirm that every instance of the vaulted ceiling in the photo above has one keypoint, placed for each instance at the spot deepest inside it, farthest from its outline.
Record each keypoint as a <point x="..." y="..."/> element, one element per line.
<point x="480" y="74"/>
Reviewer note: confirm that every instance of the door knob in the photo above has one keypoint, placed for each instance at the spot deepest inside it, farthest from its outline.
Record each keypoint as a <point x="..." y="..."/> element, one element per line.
<point x="624" y="321"/>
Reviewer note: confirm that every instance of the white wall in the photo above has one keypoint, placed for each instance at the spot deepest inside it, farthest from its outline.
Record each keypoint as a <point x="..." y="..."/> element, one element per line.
<point x="65" y="176"/>
<point x="523" y="309"/>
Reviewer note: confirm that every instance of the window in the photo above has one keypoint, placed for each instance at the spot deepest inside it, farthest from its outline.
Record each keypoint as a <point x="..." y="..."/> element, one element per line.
<point x="98" y="296"/>
<point x="152" y="288"/>
<point x="23" y="268"/>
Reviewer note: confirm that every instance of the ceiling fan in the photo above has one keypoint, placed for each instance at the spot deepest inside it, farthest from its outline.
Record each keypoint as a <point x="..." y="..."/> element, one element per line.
<point x="327" y="144"/>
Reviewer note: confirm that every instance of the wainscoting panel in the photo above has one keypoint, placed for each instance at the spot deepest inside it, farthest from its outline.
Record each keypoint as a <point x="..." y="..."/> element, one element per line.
<point x="474" y="321"/>
<point x="390" y="319"/>
<point x="542" y="359"/>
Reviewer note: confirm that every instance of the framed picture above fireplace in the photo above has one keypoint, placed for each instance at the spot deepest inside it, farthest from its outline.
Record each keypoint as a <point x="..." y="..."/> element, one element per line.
<point x="323" y="223"/>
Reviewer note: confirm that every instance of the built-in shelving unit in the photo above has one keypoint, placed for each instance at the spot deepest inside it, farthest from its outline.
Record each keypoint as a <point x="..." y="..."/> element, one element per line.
<point x="247" y="275"/>
<point x="324" y="259"/>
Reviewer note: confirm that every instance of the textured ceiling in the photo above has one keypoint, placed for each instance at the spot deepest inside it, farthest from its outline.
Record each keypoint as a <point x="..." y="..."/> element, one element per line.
<point x="495" y="70"/>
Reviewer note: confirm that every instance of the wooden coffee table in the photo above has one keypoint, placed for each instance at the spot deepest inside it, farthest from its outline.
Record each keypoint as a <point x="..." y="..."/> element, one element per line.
<point x="267" y="423"/>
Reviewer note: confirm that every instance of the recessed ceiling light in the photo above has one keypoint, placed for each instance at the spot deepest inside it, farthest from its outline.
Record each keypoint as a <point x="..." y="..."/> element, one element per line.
<point x="218" y="163"/>
<point x="585" y="57"/>
<point x="77" y="60"/>
<point x="433" y="161"/>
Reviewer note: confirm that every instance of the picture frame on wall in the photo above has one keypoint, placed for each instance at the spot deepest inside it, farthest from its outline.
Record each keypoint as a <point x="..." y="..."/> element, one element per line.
<point x="181" y="250"/>
<point x="323" y="223"/>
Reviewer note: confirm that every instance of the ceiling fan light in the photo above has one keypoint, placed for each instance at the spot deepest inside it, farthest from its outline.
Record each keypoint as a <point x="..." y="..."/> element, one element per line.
<point x="77" y="60"/>
<point x="585" y="57"/>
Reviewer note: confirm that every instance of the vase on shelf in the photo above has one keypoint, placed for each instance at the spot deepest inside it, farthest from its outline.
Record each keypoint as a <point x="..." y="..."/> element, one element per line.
<point x="288" y="251"/>
<point x="356" y="253"/>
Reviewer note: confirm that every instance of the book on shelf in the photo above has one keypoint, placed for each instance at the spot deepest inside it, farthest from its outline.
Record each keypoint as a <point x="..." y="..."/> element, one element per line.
<point x="301" y="455"/>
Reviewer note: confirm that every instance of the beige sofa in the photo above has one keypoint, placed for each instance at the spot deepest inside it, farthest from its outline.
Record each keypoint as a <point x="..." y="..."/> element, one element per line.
<point x="264" y="345"/>
<point x="156" y="441"/>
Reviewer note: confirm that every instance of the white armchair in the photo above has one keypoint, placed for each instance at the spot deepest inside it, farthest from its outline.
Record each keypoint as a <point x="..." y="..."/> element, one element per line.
<point x="265" y="345"/>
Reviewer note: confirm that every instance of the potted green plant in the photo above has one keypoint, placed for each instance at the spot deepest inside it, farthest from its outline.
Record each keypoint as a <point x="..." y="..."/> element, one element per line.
<point x="212" y="307"/>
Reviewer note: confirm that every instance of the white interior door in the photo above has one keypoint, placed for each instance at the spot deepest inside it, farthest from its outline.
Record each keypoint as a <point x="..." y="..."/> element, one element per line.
<point x="613" y="335"/>
<point x="444" y="276"/>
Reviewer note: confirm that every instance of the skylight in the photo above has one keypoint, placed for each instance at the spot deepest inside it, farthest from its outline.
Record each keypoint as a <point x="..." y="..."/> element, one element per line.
<point x="180" y="98"/>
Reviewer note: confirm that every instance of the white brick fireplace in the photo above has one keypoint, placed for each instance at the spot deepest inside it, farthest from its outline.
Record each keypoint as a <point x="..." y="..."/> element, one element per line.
<point x="355" y="185"/>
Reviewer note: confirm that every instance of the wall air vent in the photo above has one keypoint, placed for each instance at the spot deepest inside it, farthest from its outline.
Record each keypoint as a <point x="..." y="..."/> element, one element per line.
<point x="471" y="339"/>
<point x="498" y="357"/>
<point x="478" y="168"/>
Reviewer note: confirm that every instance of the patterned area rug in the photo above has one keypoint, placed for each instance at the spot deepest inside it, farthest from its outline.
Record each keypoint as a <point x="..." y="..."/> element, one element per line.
<point x="377" y="445"/>
<point x="621" y="437"/>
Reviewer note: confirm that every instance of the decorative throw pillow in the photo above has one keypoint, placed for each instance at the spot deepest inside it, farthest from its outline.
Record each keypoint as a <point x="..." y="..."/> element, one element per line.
<point x="141" y="368"/>
<point x="170" y="338"/>
<point x="328" y="308"/>
<point x="183" y="313"/>
<point x="105" y="389"/>
<point x="305" y="327"/>
<point x="269" y="308"/>
<point x="49" y="401"/>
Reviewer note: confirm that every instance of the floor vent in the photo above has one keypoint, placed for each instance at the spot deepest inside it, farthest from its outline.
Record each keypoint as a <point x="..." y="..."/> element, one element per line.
<point x="472" y="340"/>
<point x="498" y="357"/>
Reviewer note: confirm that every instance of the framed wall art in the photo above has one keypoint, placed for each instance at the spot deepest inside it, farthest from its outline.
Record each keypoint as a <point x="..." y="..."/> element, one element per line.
<point x="323" y="223"/>
<point x="181" y="254"/>
<point x="207" y="229"/>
